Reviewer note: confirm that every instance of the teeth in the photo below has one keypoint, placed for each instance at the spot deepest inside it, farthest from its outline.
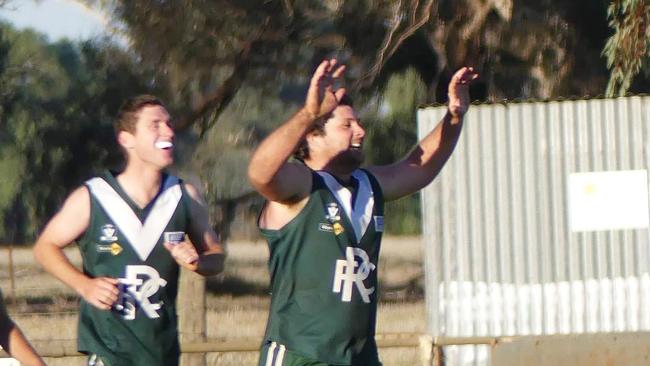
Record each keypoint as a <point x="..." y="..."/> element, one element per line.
<point x="356" y="145"/>
<point x="164" y="144"/>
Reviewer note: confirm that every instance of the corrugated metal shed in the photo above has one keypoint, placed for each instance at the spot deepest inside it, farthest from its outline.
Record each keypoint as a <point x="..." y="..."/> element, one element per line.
<point x="501" y="256"/>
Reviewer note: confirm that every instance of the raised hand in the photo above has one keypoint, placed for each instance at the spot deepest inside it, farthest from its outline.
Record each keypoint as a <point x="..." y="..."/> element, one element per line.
<point x="100" y="292"/>
<point x="322" y="98"/>
<point x="459" y="91"/>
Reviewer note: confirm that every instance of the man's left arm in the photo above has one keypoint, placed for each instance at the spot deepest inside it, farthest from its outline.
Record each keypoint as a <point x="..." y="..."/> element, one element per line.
<point x="203" y="253"/>
<point x="425" y="161"/>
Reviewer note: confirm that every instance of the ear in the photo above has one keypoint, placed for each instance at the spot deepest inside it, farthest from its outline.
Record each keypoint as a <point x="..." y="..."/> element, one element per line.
<point x="126" y="139"/>
<point x="311" y="139"/>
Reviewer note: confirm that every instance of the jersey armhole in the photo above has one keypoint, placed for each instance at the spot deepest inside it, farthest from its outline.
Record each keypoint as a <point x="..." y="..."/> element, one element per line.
<point x="277" y="232"/>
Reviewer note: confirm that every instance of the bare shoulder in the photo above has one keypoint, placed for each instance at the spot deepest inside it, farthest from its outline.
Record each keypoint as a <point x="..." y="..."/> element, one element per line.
<point x="70" y="222"/>
<point x="78" y="201"/>
<point x="194" y="192"/>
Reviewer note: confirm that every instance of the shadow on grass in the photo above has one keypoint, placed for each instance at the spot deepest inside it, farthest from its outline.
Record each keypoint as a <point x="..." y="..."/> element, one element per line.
<point x="234" y="286"/>
<point x="43" y="304"/>
<point x="411" y="290"/>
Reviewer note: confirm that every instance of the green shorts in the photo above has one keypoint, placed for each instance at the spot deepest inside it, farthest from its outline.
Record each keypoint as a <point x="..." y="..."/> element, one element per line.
<point x="95" y="360"/>
<point x="274" y="354"/>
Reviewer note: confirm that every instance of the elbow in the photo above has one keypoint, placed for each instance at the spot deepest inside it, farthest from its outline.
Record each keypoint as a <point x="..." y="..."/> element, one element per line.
<point x="257" y="178"/>
<point x="38" y="252"/>
<point x="212" y="265"/>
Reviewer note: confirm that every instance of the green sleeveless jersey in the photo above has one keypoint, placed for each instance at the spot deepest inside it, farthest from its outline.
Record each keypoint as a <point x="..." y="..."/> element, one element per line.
<point x="125" y="242"/>
<point x="323" y="274"/>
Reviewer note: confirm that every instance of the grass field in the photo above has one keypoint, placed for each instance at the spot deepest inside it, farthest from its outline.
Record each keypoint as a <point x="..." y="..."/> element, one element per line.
<point x="237" y="300"/>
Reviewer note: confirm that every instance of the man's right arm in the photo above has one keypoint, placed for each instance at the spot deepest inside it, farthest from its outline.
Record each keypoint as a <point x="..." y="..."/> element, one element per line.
<point x="269" y="172"/>
<point x="65" y="227"/>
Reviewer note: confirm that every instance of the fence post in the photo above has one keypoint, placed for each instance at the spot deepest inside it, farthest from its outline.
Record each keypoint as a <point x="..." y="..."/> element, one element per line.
<point x="191" y="315"/>
<point x="12" y="272"/>
<point x="438" y="355"/>
<point x="426" y="349"/>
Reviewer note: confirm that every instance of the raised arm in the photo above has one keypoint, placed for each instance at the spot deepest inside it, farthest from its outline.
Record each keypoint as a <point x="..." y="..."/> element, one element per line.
<point x="425" y="161"/>
<point x="65" y="227"/>
<point x="269" y="171"/>
<point x="204" y="253"/>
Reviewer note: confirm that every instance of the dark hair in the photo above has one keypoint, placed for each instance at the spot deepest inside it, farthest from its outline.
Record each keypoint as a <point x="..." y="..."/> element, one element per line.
<point x="127" y="116"/>
<point x="318" y="129"/>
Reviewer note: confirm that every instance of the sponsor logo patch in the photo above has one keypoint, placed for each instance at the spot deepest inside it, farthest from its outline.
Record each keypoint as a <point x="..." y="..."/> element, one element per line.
<point x="379" y="223"/>
<point x="325" y="227"/>
<point x="113" y="248"/>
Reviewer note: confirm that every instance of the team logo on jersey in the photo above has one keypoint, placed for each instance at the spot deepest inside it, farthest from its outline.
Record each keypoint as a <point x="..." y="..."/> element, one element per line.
<point x="108" y="233"/>
<point x="141" y="282"/>
<point x="333" y="217"/>
<point x="352" y="272"/>
<point x="113" y="248"/>
<point x="332" y="212"/>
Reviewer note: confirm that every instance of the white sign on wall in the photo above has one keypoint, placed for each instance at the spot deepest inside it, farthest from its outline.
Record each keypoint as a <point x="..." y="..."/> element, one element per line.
<point x="614" y="200"/>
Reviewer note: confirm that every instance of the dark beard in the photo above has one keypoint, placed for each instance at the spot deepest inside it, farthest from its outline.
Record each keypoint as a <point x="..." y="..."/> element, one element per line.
<point x="348" y="160"/>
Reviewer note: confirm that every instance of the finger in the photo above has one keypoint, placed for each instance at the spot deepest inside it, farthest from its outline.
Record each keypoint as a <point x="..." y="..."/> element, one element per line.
<point x="100" y="305"/>
<point x="109" y="289"/>
<point x="338" y="71"/>
<point x="339" y="94"/>
<point x="107" y="299"/>
<point x="107" y="282"/>
<point x="191" y="259"/>
<point x="332" y="65"/>
<point x="110" y="280"/>
<point x="320" y="71"/>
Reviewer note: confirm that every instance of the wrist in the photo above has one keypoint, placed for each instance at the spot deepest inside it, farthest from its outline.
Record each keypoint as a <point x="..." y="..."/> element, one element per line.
<point x="454" y="118"/>
<point x="306" y="113"/>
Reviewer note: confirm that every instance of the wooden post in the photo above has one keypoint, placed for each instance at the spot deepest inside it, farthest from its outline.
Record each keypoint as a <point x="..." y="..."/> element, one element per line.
<point x="426" y="349"/>
<point x="191" y="315"/>
<point x="12" y="273"/>
<point x="438" y="355"/>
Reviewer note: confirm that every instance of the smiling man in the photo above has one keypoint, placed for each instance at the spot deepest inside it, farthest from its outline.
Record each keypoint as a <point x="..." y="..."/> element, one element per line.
<point x="134" y="229"/>
<point x="324" y="220"/>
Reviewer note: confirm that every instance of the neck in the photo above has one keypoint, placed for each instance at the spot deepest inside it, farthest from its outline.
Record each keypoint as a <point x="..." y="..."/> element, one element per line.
<point x="342" y="174"/>
<point x="141" y="184"/>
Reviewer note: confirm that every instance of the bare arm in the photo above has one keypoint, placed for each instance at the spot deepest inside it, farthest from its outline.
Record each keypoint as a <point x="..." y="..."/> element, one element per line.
<point x="66" y="226"/>
<point x="269" y="172"/>
<point x="425" y="161"/>
<point x="14" y="342"/>
<point x="204" y="253"/>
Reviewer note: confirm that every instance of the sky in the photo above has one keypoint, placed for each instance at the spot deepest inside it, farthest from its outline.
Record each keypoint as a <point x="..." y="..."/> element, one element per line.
<point x="56" y="18"/>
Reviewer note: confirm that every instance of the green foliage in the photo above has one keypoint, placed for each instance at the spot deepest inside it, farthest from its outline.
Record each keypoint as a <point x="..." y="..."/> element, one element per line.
<point x="55" y="123"/>
<point x="390" y="135"/>
<point x="628" y="49"/>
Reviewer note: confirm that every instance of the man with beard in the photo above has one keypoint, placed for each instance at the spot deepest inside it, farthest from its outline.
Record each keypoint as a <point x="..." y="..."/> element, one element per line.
<point x="324" y="220"/>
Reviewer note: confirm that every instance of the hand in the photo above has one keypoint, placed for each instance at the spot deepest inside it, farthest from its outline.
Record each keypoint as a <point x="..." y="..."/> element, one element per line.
<point x="322" y="99"/>
<point x="100" y="292"/>
<point x="459" y="91"/>
<point x="184" y="254"/>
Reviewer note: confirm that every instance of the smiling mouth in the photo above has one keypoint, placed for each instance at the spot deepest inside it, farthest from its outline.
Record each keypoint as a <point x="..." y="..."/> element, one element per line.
<point x="355" y="146"/>
<point x="164" y="145"/>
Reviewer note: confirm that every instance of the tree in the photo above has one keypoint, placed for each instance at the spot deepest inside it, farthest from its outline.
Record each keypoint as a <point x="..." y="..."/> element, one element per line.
<point x="57" y="105"/>
<point x="628" y="49"/>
